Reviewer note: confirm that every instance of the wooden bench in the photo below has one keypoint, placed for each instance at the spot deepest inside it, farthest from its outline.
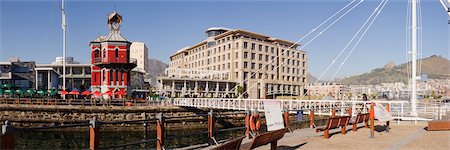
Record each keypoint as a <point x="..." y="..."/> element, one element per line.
<point x="233" y="144"/>
<point x="360" y="118"/>
<point x="438" y="125"/>
<point x="333" y="123"/>
<point x="271" y="137"/>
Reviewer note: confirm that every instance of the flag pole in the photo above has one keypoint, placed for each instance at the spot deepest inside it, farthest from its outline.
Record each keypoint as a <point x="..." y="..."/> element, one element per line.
<point x="63" y="25"/>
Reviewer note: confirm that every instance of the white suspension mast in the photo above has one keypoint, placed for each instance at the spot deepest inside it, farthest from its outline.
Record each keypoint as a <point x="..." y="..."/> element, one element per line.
<point x="414" y="58"/>
<point x="63" y="25"/>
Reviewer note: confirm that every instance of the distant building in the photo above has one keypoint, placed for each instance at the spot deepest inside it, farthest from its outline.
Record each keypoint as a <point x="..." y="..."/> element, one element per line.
<point x="335" y="91"/>
<point x="139" y="51"/>
<point x="21" y="74"/>
<point x="262" y="66"/>
<point x="49" y="76"/>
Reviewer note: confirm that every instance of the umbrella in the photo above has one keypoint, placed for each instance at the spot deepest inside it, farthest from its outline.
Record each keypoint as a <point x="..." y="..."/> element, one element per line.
<point x="120" y="93"/>
<point x="109" y="93"/>
<point x="74" y="92"/>
<point x="53" y="92"/>
<point x="86" y="93"/>
<point x="41" y="92"/>
<point x="20" y="91"/>
<point x="10" y="92"/>
<point x="97" y="93"/>
<point x="31" y="92"/>
<point x="63" y="92"/>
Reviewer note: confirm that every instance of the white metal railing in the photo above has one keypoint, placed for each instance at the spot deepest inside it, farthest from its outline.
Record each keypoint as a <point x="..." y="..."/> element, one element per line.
<point x="197" y="74"/>
<point x="400" y="110"/>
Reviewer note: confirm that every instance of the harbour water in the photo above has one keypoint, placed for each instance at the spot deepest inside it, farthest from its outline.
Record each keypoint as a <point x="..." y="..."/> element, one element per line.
<point x="80" y="140"/>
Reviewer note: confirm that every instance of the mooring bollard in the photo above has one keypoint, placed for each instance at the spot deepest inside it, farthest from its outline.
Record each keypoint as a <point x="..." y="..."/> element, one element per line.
<point x="7" y="136"/>
<point x="94" y="129"/>
<point x="311" y="119"/>
<point x="160" y="131"/>
<point x="247" y="124"/>
<point x="211" y="124"/>
<point x="372" y="121"/>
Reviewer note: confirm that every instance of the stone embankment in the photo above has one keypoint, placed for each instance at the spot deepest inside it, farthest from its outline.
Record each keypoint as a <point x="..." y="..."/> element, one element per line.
<point x="28" y="116"/>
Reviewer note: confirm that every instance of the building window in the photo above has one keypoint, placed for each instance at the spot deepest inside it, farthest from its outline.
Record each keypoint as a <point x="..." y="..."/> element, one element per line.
<point x="253" y="66"/>
<point x="260" y="66"/>
<point x="245" y="45"/>
<point x="117" y="75"/>
<point x="260" y="57"/>
<point x="104" y="53"/>
<point x="253" y="56"/>
<point x="245" y="64"/>
<point x="267" y="57"/>
<point x="117" y="53"/>
<point x="253" y="46"/>
<point x="260" y="47"/>
<point x="271" y="50"/>
<point x="237" y="45"/>
<point x="237" y="55"/>
<point x="96" y="53"/>
<point x="245" y="55"/>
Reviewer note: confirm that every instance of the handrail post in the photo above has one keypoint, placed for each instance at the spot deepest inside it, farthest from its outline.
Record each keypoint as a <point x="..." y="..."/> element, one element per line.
<point x="160" y="131"/>
<point x="311" y="118"/>
<point x="333" y="112"/>
<point x="388" y="108"/>
<point x="247" y="123"/>
<point x="286" y="119"/>
<point x="372" y="121"/>
<point x="7" y="136"/>
<point x="211" y="124"/>
<point x="94" y="129"/>
<point x="349" y="110"/>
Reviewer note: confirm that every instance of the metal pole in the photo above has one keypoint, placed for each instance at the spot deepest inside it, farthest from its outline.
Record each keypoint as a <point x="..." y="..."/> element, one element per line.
<point x="160" y="132"/>
<point x="211" y="124"/>
<point x="372" y="121"/>
<point x="414" y="58"/>
<point x="64" y="47"/>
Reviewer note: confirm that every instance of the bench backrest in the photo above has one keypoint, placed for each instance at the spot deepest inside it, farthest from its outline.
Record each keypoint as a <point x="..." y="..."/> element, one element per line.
<point x="233" y="144"/>
<point x="268" y="137"/>
<point x="333" y="122"/>
<point x="344" y="120"/>
<point x="360" y="118"/>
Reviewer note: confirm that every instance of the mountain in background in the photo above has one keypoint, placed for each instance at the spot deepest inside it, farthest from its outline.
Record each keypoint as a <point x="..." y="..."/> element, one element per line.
<point x="435" y="67"/>
<point x="156" y="67"/>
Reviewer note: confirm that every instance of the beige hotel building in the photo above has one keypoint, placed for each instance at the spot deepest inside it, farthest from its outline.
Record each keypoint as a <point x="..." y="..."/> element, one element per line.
<point x="262" y="66"/>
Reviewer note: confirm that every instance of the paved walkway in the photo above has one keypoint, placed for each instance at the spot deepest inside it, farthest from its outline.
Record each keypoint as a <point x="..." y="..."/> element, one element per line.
<point x="401" y="136"/>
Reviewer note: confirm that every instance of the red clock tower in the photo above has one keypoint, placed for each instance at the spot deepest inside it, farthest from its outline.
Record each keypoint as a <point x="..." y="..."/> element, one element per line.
<point x="111" y="63"/>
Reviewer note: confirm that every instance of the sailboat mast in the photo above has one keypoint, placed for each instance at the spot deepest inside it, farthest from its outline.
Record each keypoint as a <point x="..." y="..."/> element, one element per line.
<point x="63" y="24"/>
<point x="414" y="58"/>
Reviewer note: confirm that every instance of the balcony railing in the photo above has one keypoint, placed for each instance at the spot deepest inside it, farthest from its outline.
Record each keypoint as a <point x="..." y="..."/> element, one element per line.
<point x="5" y="75"/>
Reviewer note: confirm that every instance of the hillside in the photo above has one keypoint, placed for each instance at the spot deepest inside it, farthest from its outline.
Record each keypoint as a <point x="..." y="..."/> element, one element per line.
<point x="436" y="67"/>
<point x="156" y="68"/>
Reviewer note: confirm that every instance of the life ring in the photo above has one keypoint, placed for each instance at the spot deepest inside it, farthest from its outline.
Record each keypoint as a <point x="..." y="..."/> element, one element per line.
<point x="253" y="126"/>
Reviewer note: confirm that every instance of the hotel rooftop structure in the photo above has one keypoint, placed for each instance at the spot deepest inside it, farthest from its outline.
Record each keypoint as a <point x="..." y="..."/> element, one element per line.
<point x="232" y="62"/>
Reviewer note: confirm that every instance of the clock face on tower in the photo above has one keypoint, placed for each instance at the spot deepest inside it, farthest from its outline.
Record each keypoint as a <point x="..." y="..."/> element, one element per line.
<point x="115" y="25"/>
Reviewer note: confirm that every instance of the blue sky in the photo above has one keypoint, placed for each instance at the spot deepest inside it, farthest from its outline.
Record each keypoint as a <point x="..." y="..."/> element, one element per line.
<point x="32" y="29"/>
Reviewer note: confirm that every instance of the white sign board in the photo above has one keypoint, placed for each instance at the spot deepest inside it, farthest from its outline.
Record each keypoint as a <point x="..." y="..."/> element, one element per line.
<point x="274" y="119"/>
<point x="382" y="114"/>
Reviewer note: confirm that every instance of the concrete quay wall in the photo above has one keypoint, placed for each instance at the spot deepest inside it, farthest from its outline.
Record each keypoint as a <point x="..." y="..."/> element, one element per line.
<point x="29" y="116"/>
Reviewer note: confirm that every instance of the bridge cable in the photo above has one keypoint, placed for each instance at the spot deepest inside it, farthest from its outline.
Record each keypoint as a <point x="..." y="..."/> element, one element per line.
<point x="382" y="4"/>
<point x="359" y="40"/>
<point x="321" y="32"/>
<point x="272" y="60"/>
